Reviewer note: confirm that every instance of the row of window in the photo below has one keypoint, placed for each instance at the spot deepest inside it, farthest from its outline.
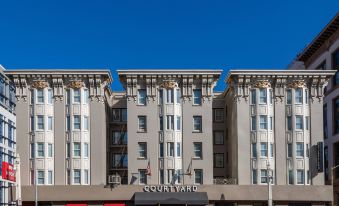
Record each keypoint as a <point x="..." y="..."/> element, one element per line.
<point x="77" y="149"/>
<point x="267" y="96"/>
<point x="300" y="177"/>
<point x="173" y="176"/>
<point x="7" y="92"/>
<point x="38" y="96"/>
<point x="10" y="132"/>
<point x="43" y="180"/>
<point x="170" y="122"/>
<point x="119" y="115"/>
<point x="299" y="150"/>
<point x="78" y="122"/>
<point x="197" y="123"/>
<point x="263" y="150"/>
<point x="266" y="122"/>
<point x="38" y="150"/>
<point x="40" y="124"/>
<point x="78" y="178"/>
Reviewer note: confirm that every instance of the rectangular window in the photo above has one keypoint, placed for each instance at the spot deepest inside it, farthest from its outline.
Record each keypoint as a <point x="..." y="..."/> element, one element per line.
<point x="178" y="96"/>
<point x="299" y="122"/>
<point x="289" y="150"/>
<point x="170" y="149"/>
<point x="197" y="150"/>
<point x="171" y="176"/>
<point x="142" y="177"/>
<point x="300" y="149"/>
<point x="77" y="122"/>
<point x="218" y="115"/>
<point x="299" y="96"/>
<point x="197" y="123"/>
<point x="76" y="176"/>
<point x="263" y="96"/>
<point x="161" y="123"/>
<point x="141" y="96"/>
<point x="68" y="97"/>
<point x="86" y="150"/>
<point x="142" y="124"/>
<point x="253" y="123"/>
<point x="86" y="123"/>
<point x="289" y="123"/>
<point x="290" y="177"/>
<point x="40" y="122"/>
<point x="271" y="96"/>
<point x="263" y="149"/>
<point x="68" y="177"/>
<point x="170" y="122"/>
<point x="50" y="177"/>
<point x="272" y="150"/>
<point x="142" y="150"/>
<point x="263" y="122"/>
<point x="197" y="96"/>
<point x="86" y="177"/>
<point x="68" y="150"/>
<point x="254" y="177"/>
<point x="116" y="115"/>
<point x="161" y="149"/>
<point x="336" y="113"/>
<point x="76" y="149"/>
<point x="254" y="150"/>
<point x="76" y="96"/>
<point x="306" y="96"/>
<point x="325" y="121"/>
<point x="253" y="96"/>
<point x="50" y="150"/>
<point x="32" y="94"/>
<point x="68" y="123"/>
<point x="288" y="96"/>
<point x="41" y="149"/>
<point x="86" y="96"/>
<point x="178" y="123"/>
<point x="162" y="179"/>
<point x="40" y="96"/>
<point x="32" y="152"/>
<point x="161" y="97"/>
<point x="50" y="97"/>
<point x="307" y="123"/>
<point x="198" y="176"/>
<point x="300" y="177"/>
<point x="41" y="177"/>
<point x="170" y="96"/>
<point x="178" y="149"/>
<point x="218" y="160"/>
<point x="263" y="176"/>
<point x="50" y="123"/>
<point x="124" y="115"/>
<point x="218" y="137"/>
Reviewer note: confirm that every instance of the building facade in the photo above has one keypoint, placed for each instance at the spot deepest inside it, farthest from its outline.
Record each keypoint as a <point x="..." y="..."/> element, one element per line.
<point x="170" y="139"/>
<point x="323" y="54"/>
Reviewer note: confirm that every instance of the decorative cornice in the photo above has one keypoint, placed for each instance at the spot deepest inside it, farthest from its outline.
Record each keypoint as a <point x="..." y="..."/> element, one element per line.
<point x="169" y="84"/>
<point x="297" y="84"/>
<point x="76" y="84"/>
<point x="262" y="84"/>
<point x="39" y="84"/>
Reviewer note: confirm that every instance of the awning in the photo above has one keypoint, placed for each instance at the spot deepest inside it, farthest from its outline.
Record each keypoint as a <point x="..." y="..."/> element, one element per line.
<point x="173" y="198"/>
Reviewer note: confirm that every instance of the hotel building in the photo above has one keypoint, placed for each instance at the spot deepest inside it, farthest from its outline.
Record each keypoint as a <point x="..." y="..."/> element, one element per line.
<point x="323" y="54"/>
<point x="169" y="139"/>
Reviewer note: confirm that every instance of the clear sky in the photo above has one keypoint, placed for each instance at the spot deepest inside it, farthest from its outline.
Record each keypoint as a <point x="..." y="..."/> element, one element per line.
<point x="158" y="33"/>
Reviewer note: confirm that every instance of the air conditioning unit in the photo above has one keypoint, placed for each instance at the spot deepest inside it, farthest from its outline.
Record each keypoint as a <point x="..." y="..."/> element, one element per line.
<point x="114" y="180"/>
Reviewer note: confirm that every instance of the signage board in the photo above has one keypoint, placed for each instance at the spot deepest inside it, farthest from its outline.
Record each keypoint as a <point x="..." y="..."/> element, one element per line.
<point x="8" y="172"/>
<point x="170" y="188"/>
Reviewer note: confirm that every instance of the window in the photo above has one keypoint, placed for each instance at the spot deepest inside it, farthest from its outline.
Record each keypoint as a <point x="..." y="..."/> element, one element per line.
<point x="142" y="177"/>
<point x="76" y="176"/>
<point x="218" y="115"/>
<point x="272" y="150"/>
<point x="142" y="150"/>
<point x="40" y="122"/>
<point x="178" y="96"/>
<point x="335" y="63"/>
<point x="50" y="177"/>
<point x="170" y="122"/>
<point x="325" y="121"/>
<point x="197" y="126"/>
<point x="86" y="177"/>
<point x="262" y="96"/>
<point x="161" y="123"/>
<point x="116" y="115"/>
<point x="289" y="96"/>
<point x="119" y="160"/>
<point x="86" y="96"/>
<point x="170" y="96"/>
<point x="68" y="123"/>
<point x="85" y="149"/>
<point x="253" y="123"/>
<point x="50" y="150"/>
<point x="32" y="151"/>
<point x="306" y="96"/>
<point x="68" y="177"/>
<point x="77" y="123"/>
<point x="50" y="97"/>
<point x="197" y="96"/>
<point x="263" y="149"/>
<point x="336" y="113"/>
<point x="263" y="122"/>
<point x="198" y="176"/>
<point x="142" y="124"/>
<point x="50" y="123"/>
<point x="254" y="177"/>
<point x="161" y="175"/>
<point x="141" y="96"/>
<point x="171" y="178"/>
<point x="161" y="97"/>
<point x="170" y="149"/>
<point x="300" y="149"/>
<point x="289" y="150"/>
<point x="254" y="150"/>
<point x="218" y="160"/>
<point x="253" y="96"/>
<point x="307" y="123"/>
<point x="326" y="163"/>
<point x="76" y="96"/>
<point x="76" y="149"/>
<point x="68" y="150"/>
<point x="197" y="150"/>
<point x="40" y="96"/>
<point x="41" y="177"/>
<point x="271" y="96"/>
<point x="161" y="149"/>
<point x="289" y="123"/>
<point x="263" y="176"/>
<point x="300" y="177"/>
<point x="86" y="124"/>
<point x="124" y="115"/>
<point x="119" y="137"/>
<point x="68" y="97"/>
<point x="41" y="149"/>
<point x="298" y="122"/>
<point x="290" y="177"/>
<point x="299" y="96"/>
<point x="178" y="122"/>
<point x="178" y="149"/>
<point x="218" y="137"/>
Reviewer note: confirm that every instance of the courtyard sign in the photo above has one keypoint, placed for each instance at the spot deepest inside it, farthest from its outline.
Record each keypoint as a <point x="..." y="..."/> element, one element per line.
<point x="170" y="188"/>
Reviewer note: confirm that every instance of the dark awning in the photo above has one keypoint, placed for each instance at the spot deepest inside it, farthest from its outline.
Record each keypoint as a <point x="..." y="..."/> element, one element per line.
<point x="154" y="198"/>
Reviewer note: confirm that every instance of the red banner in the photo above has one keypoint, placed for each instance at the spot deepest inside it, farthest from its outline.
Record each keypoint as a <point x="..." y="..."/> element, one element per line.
<point x="8" y="172"/>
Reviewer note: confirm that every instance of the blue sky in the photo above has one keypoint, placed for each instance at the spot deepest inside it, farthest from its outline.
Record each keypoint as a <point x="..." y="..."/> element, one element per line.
<point x="159" y="33"/>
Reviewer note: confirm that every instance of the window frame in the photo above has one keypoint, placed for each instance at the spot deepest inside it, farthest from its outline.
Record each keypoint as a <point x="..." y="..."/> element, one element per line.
<point x="142" y="95"/>
<point x="197" y="97"/>
<point x="218" y="118"/>
<point x="197" y="117"/>
<point x="197" y="150"/>
<point x="144" y="128"/>
<point x="215" y="165"/>
<point x="142" y="150"/>
<point x="76" y="97"/>
<point x="214" y="137"/>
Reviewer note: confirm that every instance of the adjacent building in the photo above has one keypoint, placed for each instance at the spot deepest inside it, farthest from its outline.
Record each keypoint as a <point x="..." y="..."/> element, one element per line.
<point x="323" y="54"/>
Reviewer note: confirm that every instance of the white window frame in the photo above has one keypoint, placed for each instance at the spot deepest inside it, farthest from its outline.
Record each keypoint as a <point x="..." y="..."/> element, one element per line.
<point x="86" y="176"/>
<point x="40" y="149"/>
<point x="76" y="177"/>
<point x="263" y="150"/>
<point x="299" y="150"/>
<point x="50" y="123"/>
<point x="40" y="125"/>
<point x="40" y="177"/>
<point x="142" y="150"/>
<point x="199" y="123"/>
<point x="142" y="176"/>
<point x="263" y="123"/>
<point x="170" y="96"/>
<point x="253" y="96"/>
<point x="302" y="180"/>
<point x="50" y="96"/>
<point x="263" y="96"/>
<point x="263" y="176"/>
<point x="253" y="123"/>
<point x="197" y="96"/>
<point x="76" y="124"/>
<point x="86" y="123"/>
<point x="38" y="96"/>
<point x="298" y="97"/>
<point x="50" y="150"/>
<point x="76" y="149"/>
<point x="288" y="96"/>
<point x="170" y="149"/>
<point x="298" y="124"/>
<point x="86" y="96"/>
<point x="170" y="122"/>
<point x="144" y="128"/>
<point x="86" y="150"/>
<point x="76" y="96"/>
<point x="50" y="177"/>
<point x="197" y="150"/>
<point x="142" y="97"/>
<point x="201" y="179"/>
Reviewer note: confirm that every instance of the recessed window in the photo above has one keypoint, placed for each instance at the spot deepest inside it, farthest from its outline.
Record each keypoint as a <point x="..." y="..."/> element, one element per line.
<point x="197" y="150"/>
<point x="272" y="149"/>
<point x="170" y="96"/>
<point x="197" y="123"/>
<point x="116" y="115"/>
<point x="68" y="150"/>
<point x="306" y="96"/>
<point x="336" y="115"/>
<point x="86" y="177"/>
<point x="254" y="150"/>
<point x="197" y="96"/>
<point x="263" y="176"/>
<point x="76" y="96"/>
<point x="289" y="150"/>
<point x="40" y="96"/>
<point x="77" y="122"/>
<point x="289" y="96"/>
<point x="170" y="149"/>
<point x="178" y="123"/>
<point x="86" y="150"/>
<point x="300" y="177"/>
<point x="119" y="137"/>
<point x="254" y="177"/>
<point x="50" y="150"/>
<point x="218" y="115"/>
<point x="141" y="96"/>
<point x="253" y="123"/>
<point x="76" y="176"/>
<point x="198" y="176"/>
<point x="170" y="122"/>
<point x="218" y="137"/>
<point x="290" y="177"/>
<point x="299" y="122"/>
<point x="300" y="149"/>
<point x="41" y="149"/>
<point x="76" y="149"/>
<point x="335" y="66"/>
<point x="178" y="149"/>
<point x="50" y="177"/>
<point x="289" y="123"/>
<point x="325" y="121"/>
<point x="142" y="124"/>
<point x="253" y="96"/>
<point x="299" y="96"/>
<point x="161" y="123"/>
<point x="307" y="123"/>
<point x="142" y="150"/>
<point x="41" y="177"/>
<point x="218" y="160"/>
<point x="86" y="96"/>
<point x="161" y="97"/>
<point x="68" y="123"/>
<point x="263" y="122"/>
<point x="142" y="177"/>
<point x="41" y="124"/>
<point x="263" y="96"/>
<point x="161" y="149"/>
<point x="50" y="123"/>
<point x="86" y="123"/>
<point x="178" y="96"/>
<point x="263" y="149"/>
<point x="50" y="96"/>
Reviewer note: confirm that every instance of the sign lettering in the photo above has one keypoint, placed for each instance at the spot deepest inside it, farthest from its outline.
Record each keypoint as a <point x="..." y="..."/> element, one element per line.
<point x="170" y="188"/>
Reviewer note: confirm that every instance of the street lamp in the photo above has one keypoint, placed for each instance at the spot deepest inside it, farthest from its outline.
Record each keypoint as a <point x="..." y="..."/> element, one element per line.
<point x="269" y="179"/>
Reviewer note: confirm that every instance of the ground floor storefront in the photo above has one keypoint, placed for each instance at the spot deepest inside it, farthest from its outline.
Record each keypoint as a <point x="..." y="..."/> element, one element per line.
<point x="128" y="195"/>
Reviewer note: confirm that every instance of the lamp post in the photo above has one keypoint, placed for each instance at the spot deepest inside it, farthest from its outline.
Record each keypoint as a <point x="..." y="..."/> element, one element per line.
<point x="269" y="178"/>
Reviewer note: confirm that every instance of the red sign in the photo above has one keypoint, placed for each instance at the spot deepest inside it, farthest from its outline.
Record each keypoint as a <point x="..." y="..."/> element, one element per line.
<point x="8" y="172"/>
